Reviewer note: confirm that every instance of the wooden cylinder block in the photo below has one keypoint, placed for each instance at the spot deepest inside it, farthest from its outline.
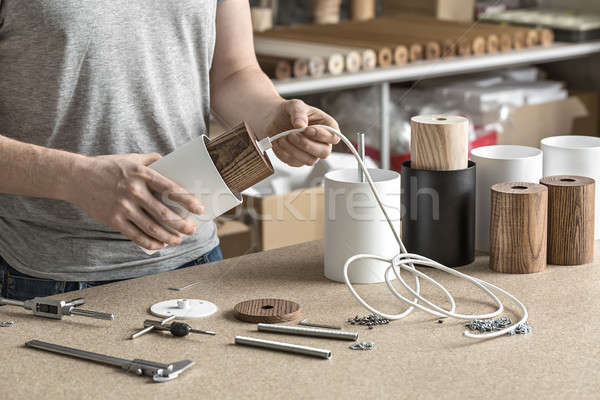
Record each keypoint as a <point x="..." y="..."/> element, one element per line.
<point x="439" y="142"/>
<point x="238" y="159"/>
<point x="326" y="11"/>
<point x="361" y="10"/>
<point x="518" y="234"/>
<point x="570" y="219"/>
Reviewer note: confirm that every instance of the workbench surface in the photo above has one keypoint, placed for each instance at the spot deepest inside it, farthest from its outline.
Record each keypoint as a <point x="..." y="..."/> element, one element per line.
<point x="414" y="358"/>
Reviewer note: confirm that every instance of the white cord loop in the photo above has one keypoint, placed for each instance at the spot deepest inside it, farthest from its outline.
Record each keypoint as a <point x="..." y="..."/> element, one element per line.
<point x="407" y="261"/>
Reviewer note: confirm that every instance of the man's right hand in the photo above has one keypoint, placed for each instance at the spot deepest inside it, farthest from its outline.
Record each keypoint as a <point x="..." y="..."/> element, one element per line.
<point x="117" y="190"/>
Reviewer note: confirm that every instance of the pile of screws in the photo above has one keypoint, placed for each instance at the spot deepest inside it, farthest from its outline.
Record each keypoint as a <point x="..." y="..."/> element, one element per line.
<point x="370" y="320"/>
<point x="6" y="324"/>
<point x="522" y="329"/>
<point x="363" y="346"/>
<point x="497" y="324"/>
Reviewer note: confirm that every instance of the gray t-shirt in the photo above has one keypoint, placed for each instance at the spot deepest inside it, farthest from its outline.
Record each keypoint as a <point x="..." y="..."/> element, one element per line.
<point x="99" y="77"/>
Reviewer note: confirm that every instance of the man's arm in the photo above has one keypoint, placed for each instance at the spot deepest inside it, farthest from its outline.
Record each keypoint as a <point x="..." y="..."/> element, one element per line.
<point x="36" y="171"/>
<point x="241" y="91"/>
<point x="115" y="190"/>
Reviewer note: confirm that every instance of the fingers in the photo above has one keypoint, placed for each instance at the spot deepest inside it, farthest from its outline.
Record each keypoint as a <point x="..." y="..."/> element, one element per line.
<point x="141" y="196"/>
<point x="165" y="187"/>
<point x="300" y="155"/>
<point x="133" y="233"/>
<point x="318" y="117"/>
<point x="311" y="147"/>
<point x="145" y="159"/>
<point x="298" y="112"/>
<point x="150" y="227"/>
<point x="285" y="156"/>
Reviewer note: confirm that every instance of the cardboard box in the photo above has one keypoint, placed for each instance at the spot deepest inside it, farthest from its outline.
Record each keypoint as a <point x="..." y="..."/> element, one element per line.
<point x="235" y="238"/>
<point x="576" y="115"/>
<point x="283" y="220"/>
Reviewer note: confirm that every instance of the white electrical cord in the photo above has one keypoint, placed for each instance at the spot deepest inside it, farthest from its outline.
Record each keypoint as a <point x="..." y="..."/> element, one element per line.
<point x="407" y="261"/>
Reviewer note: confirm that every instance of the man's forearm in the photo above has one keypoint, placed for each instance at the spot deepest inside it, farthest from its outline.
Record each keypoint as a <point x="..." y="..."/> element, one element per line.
<point x="36" y="171"/>
<point x="246" y="95"/>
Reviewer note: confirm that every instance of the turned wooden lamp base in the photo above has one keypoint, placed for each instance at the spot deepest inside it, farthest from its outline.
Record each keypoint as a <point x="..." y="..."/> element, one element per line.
<point x="238" y="159"/>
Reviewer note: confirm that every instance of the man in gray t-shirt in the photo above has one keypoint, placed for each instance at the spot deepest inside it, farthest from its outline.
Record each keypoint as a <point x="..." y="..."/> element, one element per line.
<point x="91" y="92"/>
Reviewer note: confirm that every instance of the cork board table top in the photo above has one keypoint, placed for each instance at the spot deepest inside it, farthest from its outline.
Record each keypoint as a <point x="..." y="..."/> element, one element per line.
<point x="413" y="358"/>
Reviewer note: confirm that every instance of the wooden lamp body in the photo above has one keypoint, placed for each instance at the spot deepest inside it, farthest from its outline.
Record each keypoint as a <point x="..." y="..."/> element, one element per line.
<point x="518" y="232"/>
<point x="570" y="219"/>
<point x="238" y="159"/>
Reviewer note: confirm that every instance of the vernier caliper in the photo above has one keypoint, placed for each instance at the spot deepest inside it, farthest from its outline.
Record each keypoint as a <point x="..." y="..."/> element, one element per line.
<point x="158" y="371"/>
<point x="52" y="308"/>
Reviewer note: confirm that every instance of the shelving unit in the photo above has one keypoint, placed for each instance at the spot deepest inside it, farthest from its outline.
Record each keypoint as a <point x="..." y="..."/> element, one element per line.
<point x="430" y="69"/>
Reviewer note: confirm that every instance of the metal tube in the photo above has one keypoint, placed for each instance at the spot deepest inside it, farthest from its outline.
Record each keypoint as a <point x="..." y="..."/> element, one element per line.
<point x="385" y="125"/>
<point x="296" y="330"/>
<point x="286" y="347"/>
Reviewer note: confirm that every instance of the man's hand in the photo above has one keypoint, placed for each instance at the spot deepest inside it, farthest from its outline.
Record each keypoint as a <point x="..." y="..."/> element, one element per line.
<point x="117" y="190"/>
<point x="304" y="148"/>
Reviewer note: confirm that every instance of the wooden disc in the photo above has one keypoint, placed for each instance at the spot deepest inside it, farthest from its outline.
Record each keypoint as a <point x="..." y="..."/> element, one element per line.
<point x="267" y="310"/>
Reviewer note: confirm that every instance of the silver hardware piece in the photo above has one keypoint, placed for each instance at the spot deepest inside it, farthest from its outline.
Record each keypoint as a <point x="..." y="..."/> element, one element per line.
<point x="150" y="327"/>
<point x="296" y="330"/>
<point x="360" y="144"/>
<point x="186" y="286"/>
<point x="286" y="347"/>
<point x="7" y="324"/>
<point x="161" y="326"/>
<point x="56" y="309"/>
<point x="363" y="346"/>
<point x="306" y="322"/>
<point x="158" y="371"/>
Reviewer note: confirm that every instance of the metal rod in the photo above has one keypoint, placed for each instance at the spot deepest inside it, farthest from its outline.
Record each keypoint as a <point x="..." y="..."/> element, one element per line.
<point x="385" y="125"/>
<point x="286" y="347"/>
<point x="10" y="302"/>
<point x="306" y="322"/>
<point x="360" y="144"/>
<point x="296" y="330"/>
<point x="140" y="333"/>
<point x="92" y="314"/>
<point x="203" y="331"/>
<point x="86" y="355"/>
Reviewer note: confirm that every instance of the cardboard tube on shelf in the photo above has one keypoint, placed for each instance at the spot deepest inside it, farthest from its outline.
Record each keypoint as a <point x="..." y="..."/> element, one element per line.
<point x="335" y="62"/>
<point x="570" y="219"/>
<point x="439" y="142"/>
<point x="322" y="36"/>
<point x="518" y="228"/>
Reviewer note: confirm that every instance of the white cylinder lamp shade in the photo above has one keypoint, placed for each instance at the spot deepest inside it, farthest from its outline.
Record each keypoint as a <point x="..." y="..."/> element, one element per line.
<point x="497" y="164"/>
<point x="575" y="155"/>
<point x="191" y="167"/>
<point x="354" y="224"/>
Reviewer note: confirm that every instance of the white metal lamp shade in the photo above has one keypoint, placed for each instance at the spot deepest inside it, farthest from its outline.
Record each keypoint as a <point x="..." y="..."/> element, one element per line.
<point x="497" y="164"/>
<point x="574" y="155"/>
<point x="354" y="224"/>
